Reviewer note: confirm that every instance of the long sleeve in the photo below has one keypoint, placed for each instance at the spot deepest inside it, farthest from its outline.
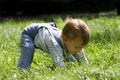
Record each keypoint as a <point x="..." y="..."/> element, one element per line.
<point x="69" y="57"/>
<point x="55" y="50"/>
<point x="57" y="55"/>
<point x="81" y="57"/>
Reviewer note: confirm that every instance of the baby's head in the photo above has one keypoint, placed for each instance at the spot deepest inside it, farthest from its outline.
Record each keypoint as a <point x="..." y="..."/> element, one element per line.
<point x="75" y="35"/>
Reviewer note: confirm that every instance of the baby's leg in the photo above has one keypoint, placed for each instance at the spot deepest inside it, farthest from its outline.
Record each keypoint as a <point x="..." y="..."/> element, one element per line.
<point x="27" y="52"/>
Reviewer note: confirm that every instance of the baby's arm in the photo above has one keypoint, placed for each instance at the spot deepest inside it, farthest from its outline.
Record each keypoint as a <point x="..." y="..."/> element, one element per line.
<point x="57" y="55"/>
<point x="57" y="59"/>
<point x="81" y="57"/>
<point x="55" y="50"/>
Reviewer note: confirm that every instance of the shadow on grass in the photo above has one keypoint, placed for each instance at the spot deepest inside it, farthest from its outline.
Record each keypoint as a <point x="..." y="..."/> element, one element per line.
<point x="50" y="17"/>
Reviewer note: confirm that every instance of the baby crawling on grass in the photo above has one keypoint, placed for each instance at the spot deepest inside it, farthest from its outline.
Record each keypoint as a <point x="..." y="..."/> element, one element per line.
<point x="66" y="44"/>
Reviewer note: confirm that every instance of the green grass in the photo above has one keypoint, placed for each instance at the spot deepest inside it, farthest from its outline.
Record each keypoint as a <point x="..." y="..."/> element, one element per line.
<point x="102" y="52"/>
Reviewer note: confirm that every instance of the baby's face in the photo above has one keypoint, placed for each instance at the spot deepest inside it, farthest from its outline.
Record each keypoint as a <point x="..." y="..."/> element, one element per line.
<point x="74" y="46"/>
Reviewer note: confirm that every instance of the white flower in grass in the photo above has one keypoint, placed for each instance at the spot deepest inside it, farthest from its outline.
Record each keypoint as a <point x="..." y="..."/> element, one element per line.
<point x="14" y="76"/>
<point x="9" y="59"/>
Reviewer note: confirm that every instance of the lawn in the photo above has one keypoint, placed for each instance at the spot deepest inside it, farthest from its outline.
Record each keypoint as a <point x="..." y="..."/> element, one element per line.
<point x="103" y="51"/>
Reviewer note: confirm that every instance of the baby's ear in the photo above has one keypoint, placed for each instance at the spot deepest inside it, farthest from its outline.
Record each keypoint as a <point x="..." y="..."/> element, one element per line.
<point x="64" y="38"/>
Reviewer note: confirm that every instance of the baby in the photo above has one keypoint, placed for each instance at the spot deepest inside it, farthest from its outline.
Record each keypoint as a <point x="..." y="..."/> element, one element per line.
<point x="66" y="44"/>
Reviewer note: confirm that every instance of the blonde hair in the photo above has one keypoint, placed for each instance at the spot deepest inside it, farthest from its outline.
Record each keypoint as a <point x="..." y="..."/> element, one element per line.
<point x="76" y="28"/>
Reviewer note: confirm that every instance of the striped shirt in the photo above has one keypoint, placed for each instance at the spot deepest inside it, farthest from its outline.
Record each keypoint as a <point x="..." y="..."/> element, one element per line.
<point x="48" y="38"/>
